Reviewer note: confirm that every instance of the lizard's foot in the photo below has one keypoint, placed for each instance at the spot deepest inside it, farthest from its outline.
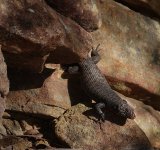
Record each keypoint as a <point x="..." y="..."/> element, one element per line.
<point x="99" y="107"/>
<point x="94" y="55"/>
<point x="94" y="52"/>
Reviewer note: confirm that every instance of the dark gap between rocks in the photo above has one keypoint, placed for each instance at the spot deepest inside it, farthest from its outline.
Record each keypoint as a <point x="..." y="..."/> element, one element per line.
<point x="46" y="128"/>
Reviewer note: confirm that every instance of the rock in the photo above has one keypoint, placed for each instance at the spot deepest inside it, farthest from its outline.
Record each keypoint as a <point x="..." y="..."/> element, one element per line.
<point x="78" y="131"/>
<point x="12" y="127"/>
<point x="47" y="94"/>
<point x="4" y="83"/>
<point x="44" y="94"/>
<point x="23" y="132"/>
<point x="3" y="131"/>
<point x="21" y="144"/>
<point x="42" y="144"/>
<point x="31" y="30"/>
<point x="2" y="106"/>
<point x="149" y="7"/>
<point x="151" y="125"/>
<point x="13" y="142"/>
<point x="84" y="12"/>
<point x="130" y="51"/>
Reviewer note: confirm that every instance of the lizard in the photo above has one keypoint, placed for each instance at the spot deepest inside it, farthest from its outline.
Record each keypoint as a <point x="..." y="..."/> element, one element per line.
<point x="95" y="85"/>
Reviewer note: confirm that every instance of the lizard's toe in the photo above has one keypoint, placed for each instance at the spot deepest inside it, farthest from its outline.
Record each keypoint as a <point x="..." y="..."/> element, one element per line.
<point x="102" y="117"/>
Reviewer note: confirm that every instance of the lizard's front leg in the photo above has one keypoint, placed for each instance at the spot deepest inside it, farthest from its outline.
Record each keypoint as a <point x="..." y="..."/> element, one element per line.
<point x="98" y="108"/>
<point x="95" y="56"/>
<point x="71" y="69"/>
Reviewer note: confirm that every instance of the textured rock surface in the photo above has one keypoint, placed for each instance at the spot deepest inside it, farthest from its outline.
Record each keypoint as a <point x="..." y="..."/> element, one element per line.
<point x="12" y="127"/>
<point x="2" y="106"/>
<point x="31" y="30"/>
<point x="78" y="131"/>
<point x="32" y="33"/>
<point x="48" y="94"/>
<point x="4" y="83"/>
<point x="147" y="119"/>
<point x="24" y="133"/>
<point x="130" y="51"/>
<point x="44" y="94"/>
<point x="150" y="7"/>
<point x="15" y="143"/>
<point x="56" y="92"/>
<point x="84" y="12"/>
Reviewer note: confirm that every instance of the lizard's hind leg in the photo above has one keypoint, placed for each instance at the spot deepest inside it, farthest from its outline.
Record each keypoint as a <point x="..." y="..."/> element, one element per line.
<point x="94" y="55"/>
<point x="99" y="107"/>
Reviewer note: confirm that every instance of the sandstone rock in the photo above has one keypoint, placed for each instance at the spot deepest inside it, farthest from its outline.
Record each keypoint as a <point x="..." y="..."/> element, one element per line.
<point x="3" y="131"/>
<point x="2" y="106"/>
<point x="147" y="119"/>
<point x="47" y="94"/>
<point x="34" y="95"/>
<point x="130" y="51"/>
<point x="151" y="7"/>
<point x="84" y="12"/>
<point x="12" y="127"/>
<point x="44" y="94"/>
<point x="31" y="32"/>
<point x="15" y="143"/>
<point x="21" y="144"/>
<point x="24" y="132"/>
<point x="78" y="131"/>
<point x="4" y="83"/>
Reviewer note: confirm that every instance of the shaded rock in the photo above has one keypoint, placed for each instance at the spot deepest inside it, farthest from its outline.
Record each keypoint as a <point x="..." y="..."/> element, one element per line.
<point x="47" y="94"/>
<point x="31" y="30"/>
<point x="19" y="129"/>
<point x="148" y="7"/>
<point x="78" y="131"/>
<point x="12" y="127"/>
<point x="44" y="94"/>
<point x="2" y="106"/>
<point x="84" y="12"/>
<point x="4" y="83"/>
<point x="130" y="51"/>
<point x="23" y="131"/>
<point x="21" y="144"/>
<point x="3" y="131"/>
<point x="16" y="143"/>
<point x="147" y="119"/>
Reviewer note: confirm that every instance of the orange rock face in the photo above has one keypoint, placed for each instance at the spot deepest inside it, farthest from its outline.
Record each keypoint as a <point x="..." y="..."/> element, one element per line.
<point x="31" y="32"/>
<point x="4" y="83"/>
<point x="84" y="12"/>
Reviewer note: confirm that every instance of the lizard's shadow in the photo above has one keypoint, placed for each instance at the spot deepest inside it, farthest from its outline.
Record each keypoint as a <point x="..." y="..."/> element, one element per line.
<point x="109" y="116"/>
<point x="77" y="95"/>
<point x="75" y="91"/>
<point x="25" y="80"/>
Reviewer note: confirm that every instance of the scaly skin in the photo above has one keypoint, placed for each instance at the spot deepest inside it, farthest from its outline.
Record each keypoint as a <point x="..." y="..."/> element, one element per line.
<point x="96" y="87"/>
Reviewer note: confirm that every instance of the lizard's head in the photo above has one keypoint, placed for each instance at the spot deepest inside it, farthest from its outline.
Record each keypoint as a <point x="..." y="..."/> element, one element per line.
<point x="125" y="110"/>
